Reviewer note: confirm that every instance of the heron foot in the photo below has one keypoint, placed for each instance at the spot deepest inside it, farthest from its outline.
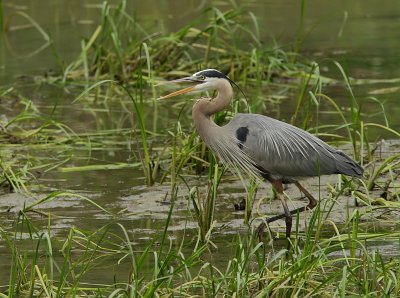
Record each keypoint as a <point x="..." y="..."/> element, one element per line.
<point x="287" y="215"/>
<point x="260" y="231"/>
<point x="288" y="221"/>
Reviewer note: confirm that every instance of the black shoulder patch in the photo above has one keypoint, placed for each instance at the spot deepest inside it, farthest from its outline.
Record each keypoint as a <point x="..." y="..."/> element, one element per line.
<point x="241" y="135"/>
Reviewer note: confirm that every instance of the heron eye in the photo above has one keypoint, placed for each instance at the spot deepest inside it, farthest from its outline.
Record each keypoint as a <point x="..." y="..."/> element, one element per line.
<point x="202" y="78"/>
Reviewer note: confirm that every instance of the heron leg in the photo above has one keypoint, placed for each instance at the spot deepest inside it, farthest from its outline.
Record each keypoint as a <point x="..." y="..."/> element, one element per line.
<point x="278" y="186"/>
<point x="288" y="217"/>
<point x="312" y="202"/>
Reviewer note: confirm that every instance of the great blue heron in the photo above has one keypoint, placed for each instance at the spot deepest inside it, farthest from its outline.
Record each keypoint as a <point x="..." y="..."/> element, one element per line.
<point x="277" y="151"/>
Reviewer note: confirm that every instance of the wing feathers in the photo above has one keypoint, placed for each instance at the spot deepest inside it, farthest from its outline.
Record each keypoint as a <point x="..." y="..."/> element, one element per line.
<point x="285" y="150"/>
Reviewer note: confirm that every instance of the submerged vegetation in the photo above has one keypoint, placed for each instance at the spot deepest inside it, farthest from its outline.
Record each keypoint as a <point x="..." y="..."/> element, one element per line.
<point x="110" y="91"/>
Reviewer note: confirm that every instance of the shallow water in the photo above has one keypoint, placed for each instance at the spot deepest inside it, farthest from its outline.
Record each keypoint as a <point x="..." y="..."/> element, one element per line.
<point x="363" y="37"/>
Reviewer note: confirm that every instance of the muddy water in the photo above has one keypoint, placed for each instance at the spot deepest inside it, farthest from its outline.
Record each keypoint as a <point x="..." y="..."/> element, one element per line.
<point x="363" y="37"/>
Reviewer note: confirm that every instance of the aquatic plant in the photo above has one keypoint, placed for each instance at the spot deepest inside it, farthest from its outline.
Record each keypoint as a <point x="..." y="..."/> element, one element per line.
<point x="118" y="67"/>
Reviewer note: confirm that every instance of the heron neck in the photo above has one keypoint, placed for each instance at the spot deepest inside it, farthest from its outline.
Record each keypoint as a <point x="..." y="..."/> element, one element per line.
<point x="204" y="108"/>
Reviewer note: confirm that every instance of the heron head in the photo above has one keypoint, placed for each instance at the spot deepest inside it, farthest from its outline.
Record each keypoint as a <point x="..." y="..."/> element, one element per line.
<point x="203" y="80"/>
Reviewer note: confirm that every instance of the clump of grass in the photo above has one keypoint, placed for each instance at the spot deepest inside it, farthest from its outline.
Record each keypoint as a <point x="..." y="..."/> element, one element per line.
<point x="149" y="168"/>
<point x="111" y="54"/>
<point x="31" y="128"/>
<point x="14" y="177"/>
<point x="204" y="207"/>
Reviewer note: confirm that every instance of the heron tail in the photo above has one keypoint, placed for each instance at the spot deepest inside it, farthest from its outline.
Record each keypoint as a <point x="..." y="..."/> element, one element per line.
<point x="347" y="166"/>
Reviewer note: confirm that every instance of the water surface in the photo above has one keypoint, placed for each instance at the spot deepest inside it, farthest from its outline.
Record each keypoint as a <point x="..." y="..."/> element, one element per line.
<point x="363" y="36"/>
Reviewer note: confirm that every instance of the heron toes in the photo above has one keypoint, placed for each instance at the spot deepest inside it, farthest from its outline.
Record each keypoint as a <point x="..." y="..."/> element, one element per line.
<point x="261" y="228"/>
<point x="288" y="221"/>
<point x="260" y="231"/>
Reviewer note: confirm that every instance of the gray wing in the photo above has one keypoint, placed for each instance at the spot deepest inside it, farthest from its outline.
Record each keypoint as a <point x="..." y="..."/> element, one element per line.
<point x="284" y="150"/>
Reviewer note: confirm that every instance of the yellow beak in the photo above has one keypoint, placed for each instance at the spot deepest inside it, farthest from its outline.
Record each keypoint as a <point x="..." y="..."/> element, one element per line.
<point x="182" y="91"/>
